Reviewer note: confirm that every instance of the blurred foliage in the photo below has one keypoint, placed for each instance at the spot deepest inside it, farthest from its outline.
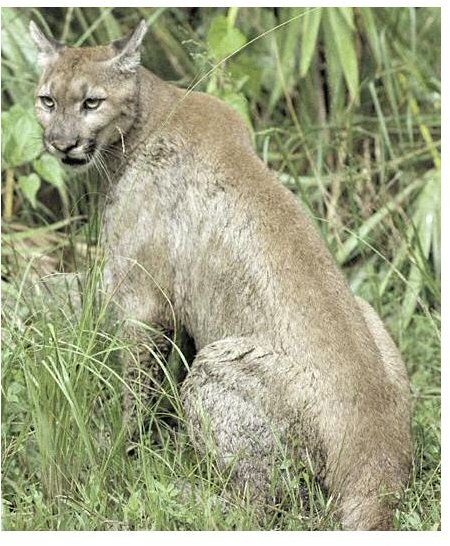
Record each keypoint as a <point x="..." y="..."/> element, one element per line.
<point x="343" y="103"/>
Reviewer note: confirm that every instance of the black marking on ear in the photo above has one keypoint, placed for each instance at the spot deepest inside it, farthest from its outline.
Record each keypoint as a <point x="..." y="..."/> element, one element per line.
<point x="120" y="43"/>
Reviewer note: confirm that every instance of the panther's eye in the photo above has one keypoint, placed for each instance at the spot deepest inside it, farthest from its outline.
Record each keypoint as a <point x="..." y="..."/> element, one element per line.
<point x="92" y="104"/>
<point x="47" y="101"/>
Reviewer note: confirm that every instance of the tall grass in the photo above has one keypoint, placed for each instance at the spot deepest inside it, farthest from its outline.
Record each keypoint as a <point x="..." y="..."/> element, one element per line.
<point x="344" y="105"/>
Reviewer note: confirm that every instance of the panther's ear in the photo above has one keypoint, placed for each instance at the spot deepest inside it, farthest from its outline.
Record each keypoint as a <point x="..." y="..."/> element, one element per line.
<point x="128" y="55"/>
<point x="48" y="47"/>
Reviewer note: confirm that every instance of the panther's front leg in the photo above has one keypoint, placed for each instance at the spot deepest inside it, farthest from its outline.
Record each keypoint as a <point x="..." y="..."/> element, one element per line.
<point x="143" y="311"/>
<point x="143" y="360"/>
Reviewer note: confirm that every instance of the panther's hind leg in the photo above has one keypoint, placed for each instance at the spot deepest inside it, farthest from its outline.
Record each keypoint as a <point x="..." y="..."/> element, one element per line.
<point x="225" y="397"/>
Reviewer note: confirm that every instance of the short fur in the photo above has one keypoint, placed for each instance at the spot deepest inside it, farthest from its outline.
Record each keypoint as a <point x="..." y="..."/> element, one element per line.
<point x="200" y="235"/>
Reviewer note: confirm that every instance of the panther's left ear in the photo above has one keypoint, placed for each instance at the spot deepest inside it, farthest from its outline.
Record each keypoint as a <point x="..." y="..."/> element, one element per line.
<point x="128" y="56"/>
<point x="48" y="48"/>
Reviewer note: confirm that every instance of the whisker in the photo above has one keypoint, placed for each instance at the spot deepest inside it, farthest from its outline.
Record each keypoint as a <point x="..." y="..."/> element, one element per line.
<point x="110" y="152"/>
<point x="101" y="162"/>
<point x="97" y="166"/>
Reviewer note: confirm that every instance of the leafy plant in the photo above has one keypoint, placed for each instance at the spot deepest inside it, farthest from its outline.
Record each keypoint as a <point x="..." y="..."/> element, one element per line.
<point x="22" y="153"/>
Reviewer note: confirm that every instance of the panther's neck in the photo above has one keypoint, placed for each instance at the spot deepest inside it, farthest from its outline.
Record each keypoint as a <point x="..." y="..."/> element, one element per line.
<point x="156" y="101"/>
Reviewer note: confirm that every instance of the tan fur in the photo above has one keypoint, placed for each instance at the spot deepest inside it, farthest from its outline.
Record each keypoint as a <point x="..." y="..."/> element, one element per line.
<point x="201" y="236"/>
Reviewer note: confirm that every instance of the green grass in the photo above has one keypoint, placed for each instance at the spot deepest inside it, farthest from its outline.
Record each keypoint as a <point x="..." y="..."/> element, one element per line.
<point x="358" y="146"/>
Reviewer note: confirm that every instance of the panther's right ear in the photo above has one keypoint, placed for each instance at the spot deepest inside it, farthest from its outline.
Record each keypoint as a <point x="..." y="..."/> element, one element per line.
<point x="48" y="47"/>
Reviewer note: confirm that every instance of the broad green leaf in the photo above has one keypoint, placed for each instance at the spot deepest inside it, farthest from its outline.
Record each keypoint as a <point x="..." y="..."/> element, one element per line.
<point x="311" y="24"/>
<point x="22" y="136"/>
<point x="17" y="45"/>
<point x="348" y="15"/>
<point x="238" y="102"/>
<point x="29" y="186"/>
<point x="372" y="33"/>
<point x="390" y="82"/>
<point x="382" y="119"/>
<point x="436" y="239"/>
<point x="336" y="86"/>
<point x="248" y="70"/>
<point x="285" y="48"/>
<point x="223" y="40"/>
<point x="19" y="66"/>
<point x="50" y="169"/>
<point x="426" y="215"/>
<point x="7" y="138"/>
<point x="345" y="44"/>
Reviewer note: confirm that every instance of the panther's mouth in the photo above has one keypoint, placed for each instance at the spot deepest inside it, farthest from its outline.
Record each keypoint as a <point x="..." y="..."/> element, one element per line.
<point x="74" y="161"/>
<point x="80" y="161"/>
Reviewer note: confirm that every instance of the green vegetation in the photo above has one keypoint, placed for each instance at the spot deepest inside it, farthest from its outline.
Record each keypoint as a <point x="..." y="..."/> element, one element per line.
<point x="344" y="104"/>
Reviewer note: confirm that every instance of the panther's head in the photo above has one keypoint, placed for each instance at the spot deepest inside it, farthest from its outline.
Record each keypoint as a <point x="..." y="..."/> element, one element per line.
<point x="86" y="98"/>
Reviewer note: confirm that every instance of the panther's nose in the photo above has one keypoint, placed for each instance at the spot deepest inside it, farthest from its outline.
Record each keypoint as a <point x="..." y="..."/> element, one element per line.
<point x="65" y="146"/>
